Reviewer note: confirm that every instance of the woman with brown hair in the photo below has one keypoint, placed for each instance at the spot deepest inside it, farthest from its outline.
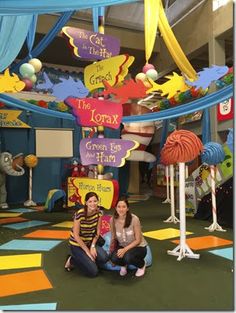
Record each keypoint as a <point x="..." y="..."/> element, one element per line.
<point x="131" y="246"/>
<point x="87" y="255"/>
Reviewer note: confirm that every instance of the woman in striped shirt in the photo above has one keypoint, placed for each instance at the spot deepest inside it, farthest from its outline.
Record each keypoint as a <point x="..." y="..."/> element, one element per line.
<point x="86" y="254"/>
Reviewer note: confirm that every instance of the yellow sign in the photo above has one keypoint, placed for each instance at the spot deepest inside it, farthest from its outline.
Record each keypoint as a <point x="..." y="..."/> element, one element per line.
<point x="9" y="118"/>
<point x="78" y="187"/>
<point x="112" y="70"/>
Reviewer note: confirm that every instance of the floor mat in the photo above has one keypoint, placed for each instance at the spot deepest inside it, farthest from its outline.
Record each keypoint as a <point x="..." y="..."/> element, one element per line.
<point x="30" y="307"/>
<point x="205" y="242"/>
<point x="10" y="220"/>
<point x="165" y="233"/>
<point x="22" y="210"/>
<point x="52" y="234"/>
<point x="23" y="282"/>
<point x="5" y="214"/>
<point x="34" y="245"/>
<point x="28" y="224"/>
<point x="67" y="224"/>
<point x="20" y="261"/>
<point x="227" y="253"/>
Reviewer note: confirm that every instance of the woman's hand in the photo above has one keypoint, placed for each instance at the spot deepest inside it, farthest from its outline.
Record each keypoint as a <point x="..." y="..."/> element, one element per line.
<point x="120" y="253"/>
<point x="93" y="252"/>
<point x="90" y="255"/>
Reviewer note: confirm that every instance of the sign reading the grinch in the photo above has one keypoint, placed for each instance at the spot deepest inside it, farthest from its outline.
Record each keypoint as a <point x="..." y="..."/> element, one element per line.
<point x="112" y="70"/>
<point x="90" y="45"/>
<point x="106" y="151"/>
<point x="9" y="118"/>
<point x="94" y="112"/>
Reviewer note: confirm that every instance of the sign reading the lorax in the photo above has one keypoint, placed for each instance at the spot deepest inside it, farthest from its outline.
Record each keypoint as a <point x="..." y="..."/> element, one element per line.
<point x="112" y="70"/>
<point x="90" y="45"/>
<point x="94" y="112"/>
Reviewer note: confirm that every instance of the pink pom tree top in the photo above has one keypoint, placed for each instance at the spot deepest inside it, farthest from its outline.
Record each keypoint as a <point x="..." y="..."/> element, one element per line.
<point x="181" y="146"/>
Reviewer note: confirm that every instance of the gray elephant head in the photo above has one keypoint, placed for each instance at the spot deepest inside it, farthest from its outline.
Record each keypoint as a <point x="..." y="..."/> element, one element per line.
<point x="10" y="165"/>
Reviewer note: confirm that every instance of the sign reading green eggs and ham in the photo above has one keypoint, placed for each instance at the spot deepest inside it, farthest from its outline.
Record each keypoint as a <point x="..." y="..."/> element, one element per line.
<point x="106" y="151"/>
<point x="91" y="45"/>
<point x="94" y="112"/>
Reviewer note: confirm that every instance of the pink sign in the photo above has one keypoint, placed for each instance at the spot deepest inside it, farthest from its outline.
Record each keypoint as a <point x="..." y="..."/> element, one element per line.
<point x="94" y="112"/>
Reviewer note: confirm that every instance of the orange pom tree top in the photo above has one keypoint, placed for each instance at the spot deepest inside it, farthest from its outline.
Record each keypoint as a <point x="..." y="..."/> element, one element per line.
<point x="181" y="146"/>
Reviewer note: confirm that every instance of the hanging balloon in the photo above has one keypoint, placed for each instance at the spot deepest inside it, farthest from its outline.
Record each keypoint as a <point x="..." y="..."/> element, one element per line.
<point x="36" y="63"/>
<point x="33" y="78"/>
<point x="28" y="84"/>
<point x="140" y="76"/>
<point x="26" y="70"/>
<point x="147" y="67"/>
<point x="152" y="74"/>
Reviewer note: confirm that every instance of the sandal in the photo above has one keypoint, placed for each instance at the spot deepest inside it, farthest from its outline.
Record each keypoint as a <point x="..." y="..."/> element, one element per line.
<point x="68" y="266"/>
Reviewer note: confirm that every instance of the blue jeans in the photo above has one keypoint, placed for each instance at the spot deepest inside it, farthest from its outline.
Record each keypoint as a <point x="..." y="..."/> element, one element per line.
<point x="84" y="263"/>
<point x="134" y="256"/>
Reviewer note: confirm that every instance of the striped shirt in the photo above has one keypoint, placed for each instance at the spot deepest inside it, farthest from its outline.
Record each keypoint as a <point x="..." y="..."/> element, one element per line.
<point x="88" y="227"/>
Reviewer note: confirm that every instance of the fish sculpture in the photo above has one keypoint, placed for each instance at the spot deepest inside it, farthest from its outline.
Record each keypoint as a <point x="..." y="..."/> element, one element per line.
<point x="175" y="84"/>
<point x="129" y="90"/>
<point x="10" y="83"/>
<point x="66" y="88"/>
<point x="207" y="76"/>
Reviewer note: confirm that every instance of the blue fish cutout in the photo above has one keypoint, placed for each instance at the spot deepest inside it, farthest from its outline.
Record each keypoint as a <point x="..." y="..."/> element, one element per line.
<point x="207" y="76"/>
<point x="66" y="88"/>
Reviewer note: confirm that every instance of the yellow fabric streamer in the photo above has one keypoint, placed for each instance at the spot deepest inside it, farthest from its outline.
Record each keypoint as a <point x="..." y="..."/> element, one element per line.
<point x="151" y="17"/>
<point x="173" y="45"/>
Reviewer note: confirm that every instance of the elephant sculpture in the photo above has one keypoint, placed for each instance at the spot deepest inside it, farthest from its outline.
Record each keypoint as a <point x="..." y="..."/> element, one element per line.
<point x="9" y="165"/>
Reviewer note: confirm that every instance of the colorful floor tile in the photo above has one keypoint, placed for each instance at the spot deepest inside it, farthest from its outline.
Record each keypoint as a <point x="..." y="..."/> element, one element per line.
<point x="165" y="233"/>
<point x="39" y="207"/>
<point x="24" y="225"/>
<point x="5" y="214"/>
<point x="12" y="220"/>
<point x="52" y="234"/>
<point x="227" y="253"/>
<point x="8" y="262"/>
<point x="21" y="210"/>
<point x="67" y="224"/>
<point x="30" y="307"/>
<point x="18" y="283"/>
<point x="205" y="242"/>
<point x="28" y="244"/>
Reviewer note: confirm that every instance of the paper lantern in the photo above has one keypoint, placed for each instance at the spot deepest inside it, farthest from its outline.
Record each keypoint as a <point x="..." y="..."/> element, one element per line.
<point x="28" y="84"/>
<point x="152" y="73"/>
<point x="140" y="76"/>
<point x="36" y="63"/>
<point x="148" y="67"/>
<point x="26" y="70"/>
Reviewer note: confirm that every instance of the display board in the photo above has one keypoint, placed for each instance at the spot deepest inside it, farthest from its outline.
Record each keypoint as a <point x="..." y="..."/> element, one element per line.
<point x="54" y="143"/>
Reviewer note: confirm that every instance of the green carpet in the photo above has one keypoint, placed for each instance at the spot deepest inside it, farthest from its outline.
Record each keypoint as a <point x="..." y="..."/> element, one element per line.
<point x="189" y="284"/>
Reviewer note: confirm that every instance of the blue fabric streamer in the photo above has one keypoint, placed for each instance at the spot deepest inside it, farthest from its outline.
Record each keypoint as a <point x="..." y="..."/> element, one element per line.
<point x="23" y="7"/>
<point x="47" y="39"/>
<point x="31" y="34"/>
<point x="196" y="105"/>
<point x="13" y="31"/>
